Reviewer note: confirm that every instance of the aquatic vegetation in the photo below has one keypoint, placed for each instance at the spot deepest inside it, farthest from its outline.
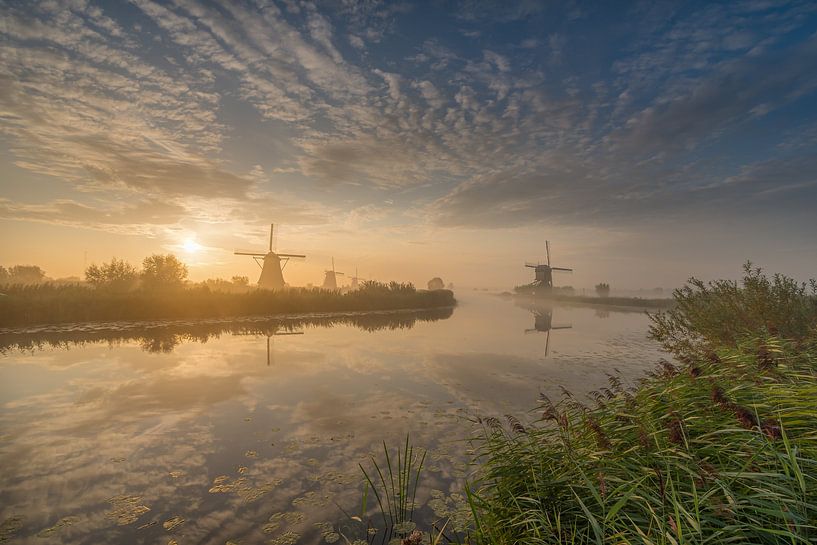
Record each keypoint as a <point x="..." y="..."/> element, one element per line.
<point x="9" y="528"/>
<point x="173" y="523"/>
<point x="63" y="522"/>
<point x="242" y="487"/>
<point x="126" y="509"/>
<point x="395" y="486"/>
<point x="287" y="538"/>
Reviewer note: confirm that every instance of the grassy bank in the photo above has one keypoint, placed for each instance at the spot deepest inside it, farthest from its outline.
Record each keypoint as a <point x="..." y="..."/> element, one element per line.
<point x="720" y="447"/>
<point x="623" y="302"/>
<point x="50" y="303"/>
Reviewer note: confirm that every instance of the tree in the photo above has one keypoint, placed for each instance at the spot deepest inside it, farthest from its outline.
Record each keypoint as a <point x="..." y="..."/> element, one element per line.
<point x="25" y="274"/>
<point x="117" y="275"/>
<point x="603" y="289"/>
<point x="436" y="283"/>
<point x="242" y="281"/>
<point x="163" y="271"/>
<point x="4" y="275"/>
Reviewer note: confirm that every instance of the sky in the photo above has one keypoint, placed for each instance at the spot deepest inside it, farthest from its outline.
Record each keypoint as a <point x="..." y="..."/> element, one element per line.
<point x="647" y="141"/>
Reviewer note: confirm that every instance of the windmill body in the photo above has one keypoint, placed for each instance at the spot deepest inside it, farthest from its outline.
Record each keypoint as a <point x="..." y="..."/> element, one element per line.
<point x="272" y="265"/>
<point x="355" y="281"/>
<point x="330" y="280"/>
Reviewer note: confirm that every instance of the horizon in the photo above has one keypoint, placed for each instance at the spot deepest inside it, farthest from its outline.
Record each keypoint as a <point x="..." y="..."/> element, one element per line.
<point x="412" y="140"/>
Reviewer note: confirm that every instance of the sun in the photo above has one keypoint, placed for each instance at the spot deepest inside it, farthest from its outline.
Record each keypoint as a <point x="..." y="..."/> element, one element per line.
<point x="191" y="246"/>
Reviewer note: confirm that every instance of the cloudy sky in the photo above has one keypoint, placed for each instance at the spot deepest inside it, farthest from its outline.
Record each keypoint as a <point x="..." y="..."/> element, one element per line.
<point x="647" y="141"/>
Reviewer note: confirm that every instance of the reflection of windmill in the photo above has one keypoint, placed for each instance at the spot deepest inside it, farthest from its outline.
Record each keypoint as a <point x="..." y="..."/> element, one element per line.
<point x="543" y="281"/>
<point x="272" y="265"/>
<point x="355" y="280"/>
<point x="330" y="281"/>
<point x="271" y="349"/>
<point x="543" y="322"/>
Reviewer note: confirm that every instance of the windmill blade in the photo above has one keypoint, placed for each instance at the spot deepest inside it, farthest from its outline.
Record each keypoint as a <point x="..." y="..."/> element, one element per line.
<point x="271" y="230"/>
<point x="547" y="250"/>
<point x="291" y="255"/>
<point x="247" y="252"/>
<point x="561" y="269"/>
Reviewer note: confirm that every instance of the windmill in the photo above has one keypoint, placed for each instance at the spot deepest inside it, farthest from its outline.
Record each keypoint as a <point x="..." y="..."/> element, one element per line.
<point x="330" y="281"/>
<point x="543" y="281"/>
<point x="355" y="280"/>
<point x="543" y="322"/>
<point x="272" y="265"/>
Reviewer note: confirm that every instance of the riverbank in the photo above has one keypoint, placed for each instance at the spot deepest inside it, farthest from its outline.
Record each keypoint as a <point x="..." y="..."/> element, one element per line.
<point x="718" y="447"/>
<point x="627" y="303"/>
<point x="53" y="304"/>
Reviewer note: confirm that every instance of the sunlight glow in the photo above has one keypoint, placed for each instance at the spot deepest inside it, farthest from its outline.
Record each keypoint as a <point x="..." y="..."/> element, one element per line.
<point x="191" y="246"/>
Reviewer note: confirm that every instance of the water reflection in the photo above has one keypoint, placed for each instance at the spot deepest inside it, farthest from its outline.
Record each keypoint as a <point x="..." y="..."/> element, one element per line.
<point x="543" y="323"/>
<point x="145" y="433"/>
<point x="165" y="336"/>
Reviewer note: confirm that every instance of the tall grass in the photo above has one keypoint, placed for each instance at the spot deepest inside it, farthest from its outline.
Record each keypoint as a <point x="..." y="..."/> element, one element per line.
<point x="51" y="303"/>
<point x="721" y="449"/>
<point x="394" y="485"/>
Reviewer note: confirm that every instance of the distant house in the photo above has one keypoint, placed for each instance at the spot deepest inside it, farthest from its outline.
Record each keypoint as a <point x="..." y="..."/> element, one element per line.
<point x="436" y="283"/>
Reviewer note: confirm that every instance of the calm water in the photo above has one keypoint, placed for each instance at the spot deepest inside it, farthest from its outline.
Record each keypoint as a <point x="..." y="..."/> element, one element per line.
<point x="252" y="432"/>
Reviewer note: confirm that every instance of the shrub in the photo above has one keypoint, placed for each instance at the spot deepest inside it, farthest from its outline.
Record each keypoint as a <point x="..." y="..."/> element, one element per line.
<point x="724" y="312"/>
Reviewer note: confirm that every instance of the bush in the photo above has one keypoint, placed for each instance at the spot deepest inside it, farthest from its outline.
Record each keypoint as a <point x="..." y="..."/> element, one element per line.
<point x="724" y="312"/>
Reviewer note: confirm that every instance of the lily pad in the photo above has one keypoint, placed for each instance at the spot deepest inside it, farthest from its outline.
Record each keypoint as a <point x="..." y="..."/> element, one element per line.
<point x="126" y="509"/>
<point x="171" y="524"/>
<point x="10" y="526"/>
<point x="287" y="538"/>
<point x="65" y="521"/>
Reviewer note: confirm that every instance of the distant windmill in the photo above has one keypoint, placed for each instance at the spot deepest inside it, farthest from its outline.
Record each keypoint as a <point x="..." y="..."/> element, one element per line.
<point x="355" y="280"/>
<point x="330" y="281"/>
<point x="543" y="281"/>
<point x="272" y="265"/>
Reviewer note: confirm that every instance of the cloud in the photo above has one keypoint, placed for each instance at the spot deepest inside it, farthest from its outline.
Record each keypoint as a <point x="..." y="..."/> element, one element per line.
<point x="736" y="92"/>
<point x="142" y="217"/>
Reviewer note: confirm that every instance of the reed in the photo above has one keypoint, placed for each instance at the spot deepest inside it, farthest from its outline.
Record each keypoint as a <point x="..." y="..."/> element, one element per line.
<point x="395" y="486"/>
<point x="48" y="303"/>
<point x="719" y="447"/>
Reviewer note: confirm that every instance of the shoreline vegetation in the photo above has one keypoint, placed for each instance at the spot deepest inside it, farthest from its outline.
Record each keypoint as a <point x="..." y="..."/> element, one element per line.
<point x="623" y="302"/>
<point x="718" y="446"/>
<point x="116" y="291"/>
<point x="28" y="305"/>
